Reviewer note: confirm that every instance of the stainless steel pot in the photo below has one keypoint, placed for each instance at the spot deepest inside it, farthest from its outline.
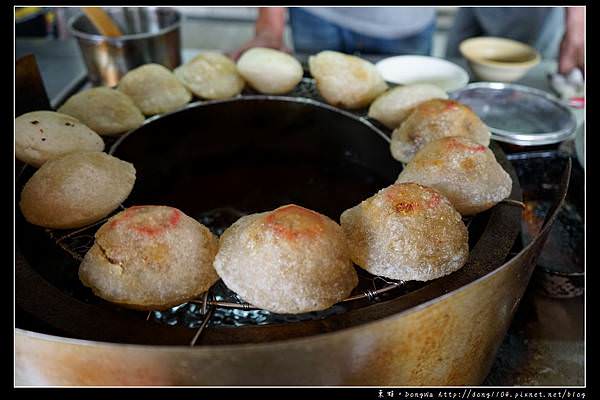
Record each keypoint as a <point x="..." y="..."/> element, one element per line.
<point x="151" y="35"/>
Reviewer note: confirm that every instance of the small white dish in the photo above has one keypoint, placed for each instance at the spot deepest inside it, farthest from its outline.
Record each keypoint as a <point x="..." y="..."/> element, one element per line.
<point x="405" y="70"/>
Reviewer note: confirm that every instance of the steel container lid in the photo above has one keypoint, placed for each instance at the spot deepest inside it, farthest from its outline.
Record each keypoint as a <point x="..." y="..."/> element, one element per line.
<point x="519" y="114"/>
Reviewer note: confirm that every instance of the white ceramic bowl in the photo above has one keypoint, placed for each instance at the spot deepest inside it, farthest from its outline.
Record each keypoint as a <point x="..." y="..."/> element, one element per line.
<point x="499" y="59"/>
<point x="405" y="70"/>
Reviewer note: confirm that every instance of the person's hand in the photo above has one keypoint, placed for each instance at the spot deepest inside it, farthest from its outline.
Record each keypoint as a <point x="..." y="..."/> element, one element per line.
<point x="572" y="47"/>
<point x="270" y="26"/>
<point x="263" y="39"/>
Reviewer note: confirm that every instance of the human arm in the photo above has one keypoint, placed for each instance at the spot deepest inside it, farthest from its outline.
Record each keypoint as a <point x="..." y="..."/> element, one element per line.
<point x="572" y="46"/>
<point x="270" y="26"/>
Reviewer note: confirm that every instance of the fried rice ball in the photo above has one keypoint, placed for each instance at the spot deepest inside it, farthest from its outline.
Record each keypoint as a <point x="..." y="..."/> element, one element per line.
<point x="392" y="107"/>
<point x="270" y="71"/>
<point x="211" y="75"/>
<point x="150" y="258"/>
<point x="44" y="135"/>
<point x="346" y="81"/>
<point x="290" y="260"/>
<point x="406" y="232"/>
<point x="465" y="172"/>
<point x="435" y="119"/>
<point x="107" y="111"/>
<point x="154" y="89"/>
<point x="76" y="190"/>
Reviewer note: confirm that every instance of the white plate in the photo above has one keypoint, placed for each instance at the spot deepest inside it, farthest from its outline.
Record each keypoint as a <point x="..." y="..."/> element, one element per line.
<point x="405" y="70"/>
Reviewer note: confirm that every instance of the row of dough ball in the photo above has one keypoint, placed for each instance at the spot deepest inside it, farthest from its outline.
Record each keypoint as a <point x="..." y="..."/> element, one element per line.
<point x="343" y="80"/>
<point x="155" y="257"/>
<point x="407" y="231"/>
<point x="145" y="91"/>
<point x="289" y="260"/>
<point x="76" y="189"/>
<point x="443" y="144"/>
<point x="421" y="113"/>
<point x="294" y="260"/>
<point x="78" y="126"/>
<point x="411" y="230"/>
<point x="210" y="75"/>
<point x="80" y="122"/>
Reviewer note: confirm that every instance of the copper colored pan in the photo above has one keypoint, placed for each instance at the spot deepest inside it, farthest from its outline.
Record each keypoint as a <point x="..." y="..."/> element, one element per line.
<point x="252" y="154"/>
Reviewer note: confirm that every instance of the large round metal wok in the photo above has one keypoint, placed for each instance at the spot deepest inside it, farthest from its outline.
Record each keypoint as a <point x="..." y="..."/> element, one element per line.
<point x="216" y="161"/>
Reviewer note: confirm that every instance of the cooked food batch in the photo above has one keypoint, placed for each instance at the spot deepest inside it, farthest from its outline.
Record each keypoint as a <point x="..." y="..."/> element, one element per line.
<point x="406" y="232"/>
<point x="288" y="260"/>
<point x="107" y="111"/>
<point x="270" y="71"/>
<point x="43" y="135"/>
<point x="150" y="257"/>
<point x="346" y="81"/>
<point x="154" y="89"/>
<point x="76" y="189"/>
<point x="211" y="75"/>
<point x="392" y="107"/>
<point x="435" y="119"/>
<point x="464" y="171"/>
